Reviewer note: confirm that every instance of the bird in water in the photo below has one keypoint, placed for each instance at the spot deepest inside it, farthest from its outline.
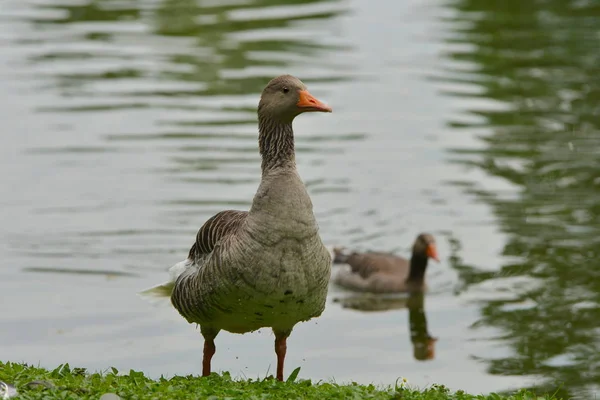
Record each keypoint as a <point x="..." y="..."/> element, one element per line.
<point x="384" y="272"/>
<point x="266" y="267"/>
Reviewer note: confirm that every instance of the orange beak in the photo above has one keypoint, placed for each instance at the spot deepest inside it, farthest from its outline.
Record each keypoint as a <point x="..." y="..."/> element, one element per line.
<point x="432" y="252"/>
<point x="308" y="103"/>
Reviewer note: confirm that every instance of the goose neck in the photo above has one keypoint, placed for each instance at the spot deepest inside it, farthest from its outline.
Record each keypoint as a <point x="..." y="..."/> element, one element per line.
<point x="276" y="144"/>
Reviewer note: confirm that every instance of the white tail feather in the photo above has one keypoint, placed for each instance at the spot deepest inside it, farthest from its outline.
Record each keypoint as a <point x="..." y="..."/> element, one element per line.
<point x="159" y="293"/>
<point x="163" y="290"/>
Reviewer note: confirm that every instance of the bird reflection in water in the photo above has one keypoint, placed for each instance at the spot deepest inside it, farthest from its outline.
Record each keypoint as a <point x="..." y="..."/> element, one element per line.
<point x="423" y="343"/>
<point x="380" y="281"/>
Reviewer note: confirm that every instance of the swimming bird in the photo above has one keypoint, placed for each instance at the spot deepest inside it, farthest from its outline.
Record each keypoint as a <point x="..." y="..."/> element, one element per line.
<point x="266" y="267"/>
<point x="384" y="272"/>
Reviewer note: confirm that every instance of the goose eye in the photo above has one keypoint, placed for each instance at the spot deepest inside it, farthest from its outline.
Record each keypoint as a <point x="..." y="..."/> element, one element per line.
<point x="285" y="90"/>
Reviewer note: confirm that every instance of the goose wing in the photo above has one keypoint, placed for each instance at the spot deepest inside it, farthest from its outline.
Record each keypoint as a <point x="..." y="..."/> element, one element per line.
<point x="367" y="264"/>
<point x="215" y="229"/>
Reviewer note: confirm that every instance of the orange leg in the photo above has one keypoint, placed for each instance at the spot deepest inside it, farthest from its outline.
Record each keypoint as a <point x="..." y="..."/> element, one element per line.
<point x="209" y="352"/>
<point x="209" y="348"/>
<point x="280" y="350"/>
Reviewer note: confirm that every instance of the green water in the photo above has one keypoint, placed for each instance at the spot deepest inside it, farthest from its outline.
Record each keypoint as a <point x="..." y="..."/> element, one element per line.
<point x="539" y="61"/>
<point x="126" y="124"/>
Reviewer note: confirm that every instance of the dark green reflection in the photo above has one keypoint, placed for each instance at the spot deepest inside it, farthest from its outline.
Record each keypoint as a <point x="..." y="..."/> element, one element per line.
<point x="220" y="29"/>
<point x="223" y="37"/>
<point x="194" y="63"/>
<point x="422" y="341"/>
<point x="540" y="61"/>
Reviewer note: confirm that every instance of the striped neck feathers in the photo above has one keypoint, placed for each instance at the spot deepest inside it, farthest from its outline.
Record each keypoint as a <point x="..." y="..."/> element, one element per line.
<point x="276" y="144"/>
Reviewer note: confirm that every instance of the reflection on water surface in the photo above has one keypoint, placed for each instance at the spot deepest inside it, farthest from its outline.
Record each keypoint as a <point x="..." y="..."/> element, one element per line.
<point x="540" y="62"/>
<point x="129" y="123"/>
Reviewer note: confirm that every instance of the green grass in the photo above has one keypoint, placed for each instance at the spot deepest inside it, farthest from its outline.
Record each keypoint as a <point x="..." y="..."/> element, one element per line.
<point x="75" y="383"/>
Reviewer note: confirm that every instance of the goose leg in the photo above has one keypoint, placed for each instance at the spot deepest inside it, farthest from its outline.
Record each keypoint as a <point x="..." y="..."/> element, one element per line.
<point x="280" y="350"/>
<point x="209" y="348"/>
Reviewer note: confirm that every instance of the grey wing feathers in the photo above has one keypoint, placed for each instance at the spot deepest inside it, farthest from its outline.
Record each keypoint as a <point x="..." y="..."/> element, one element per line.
<point x="362" y="264"/>
<point x="214" y="229"/>
<point x="367" y="264"/>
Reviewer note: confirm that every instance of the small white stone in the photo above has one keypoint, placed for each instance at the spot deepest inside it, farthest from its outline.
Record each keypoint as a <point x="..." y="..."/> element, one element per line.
<point x="109" y="396"/>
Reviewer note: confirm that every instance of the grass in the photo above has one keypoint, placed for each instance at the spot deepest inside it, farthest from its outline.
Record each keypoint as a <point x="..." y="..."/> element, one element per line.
<point x="75" y="383"/>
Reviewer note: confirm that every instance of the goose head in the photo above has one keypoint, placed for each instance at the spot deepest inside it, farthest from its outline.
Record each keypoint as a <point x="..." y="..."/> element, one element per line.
<point x="425" y="247"/>
<point x="286" y="97"/>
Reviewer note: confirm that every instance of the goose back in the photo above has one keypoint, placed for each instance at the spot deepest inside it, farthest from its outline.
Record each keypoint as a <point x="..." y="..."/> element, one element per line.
<point x="367" y="264"/>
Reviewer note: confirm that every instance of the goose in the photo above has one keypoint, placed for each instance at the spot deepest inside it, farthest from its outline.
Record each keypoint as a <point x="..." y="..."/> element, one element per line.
<point x="384" y="272"/>
<point x="266" y="267"/>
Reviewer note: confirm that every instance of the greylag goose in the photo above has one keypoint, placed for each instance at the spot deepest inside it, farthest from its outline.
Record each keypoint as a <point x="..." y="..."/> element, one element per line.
<point x="386" y="273"/>
<point x="266" y="267"/>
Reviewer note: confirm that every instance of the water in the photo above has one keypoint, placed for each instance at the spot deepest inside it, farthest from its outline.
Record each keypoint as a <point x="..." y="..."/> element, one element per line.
<point x="126" y="124"/>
